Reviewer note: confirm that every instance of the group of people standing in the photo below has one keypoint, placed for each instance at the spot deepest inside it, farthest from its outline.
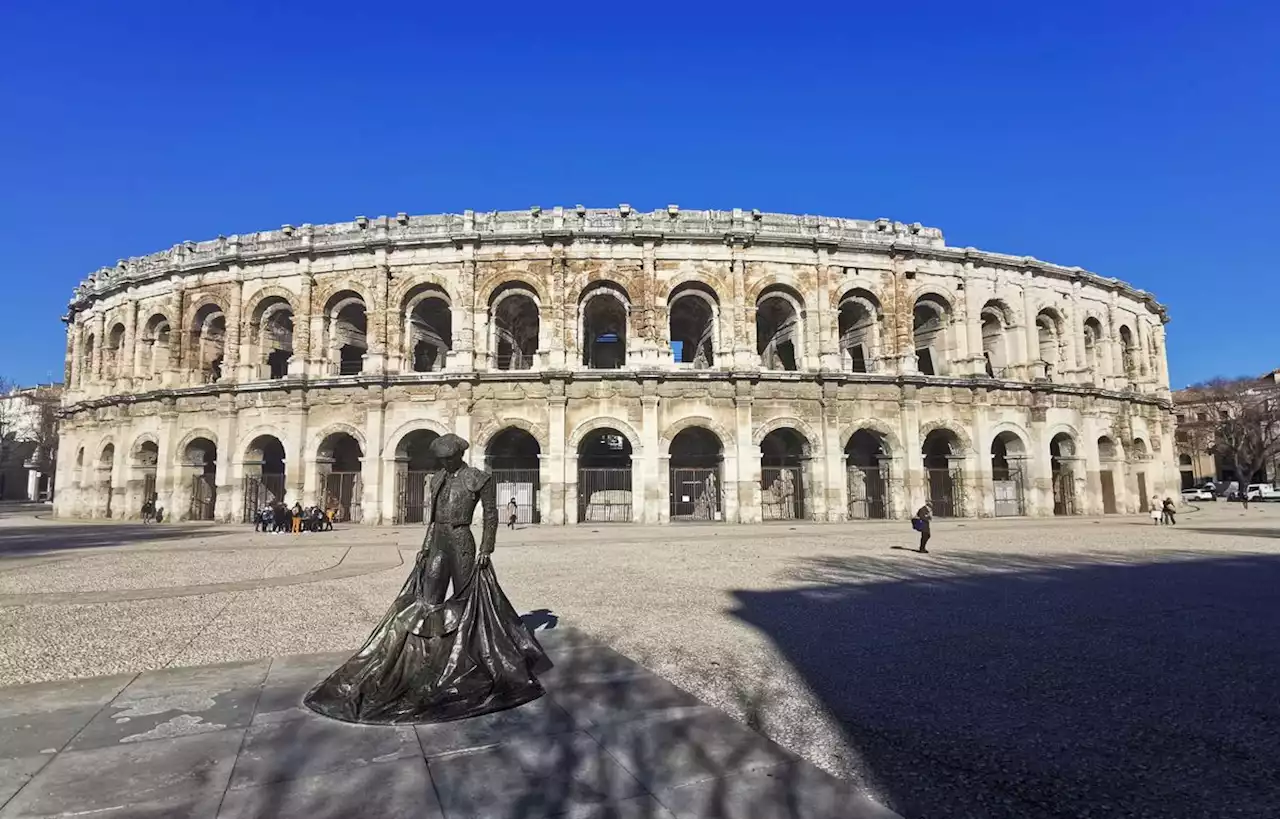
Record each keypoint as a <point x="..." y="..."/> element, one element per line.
<point x="277" y="517"/>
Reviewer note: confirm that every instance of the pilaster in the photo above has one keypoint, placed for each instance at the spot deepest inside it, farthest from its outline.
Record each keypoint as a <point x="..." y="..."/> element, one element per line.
<point x="744" y="470"/>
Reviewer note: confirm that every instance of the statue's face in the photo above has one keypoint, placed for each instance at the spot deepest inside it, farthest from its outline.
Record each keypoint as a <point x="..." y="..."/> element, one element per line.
<point x="452" y="463"/>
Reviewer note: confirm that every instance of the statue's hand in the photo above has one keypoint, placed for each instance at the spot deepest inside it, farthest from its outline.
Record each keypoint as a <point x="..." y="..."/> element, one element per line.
<point x="483" y="560"/>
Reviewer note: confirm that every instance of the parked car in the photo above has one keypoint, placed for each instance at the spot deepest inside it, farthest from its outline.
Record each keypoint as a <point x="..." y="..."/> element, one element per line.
<point x="1263" y="492"/>
<point x="1201" y="494"/>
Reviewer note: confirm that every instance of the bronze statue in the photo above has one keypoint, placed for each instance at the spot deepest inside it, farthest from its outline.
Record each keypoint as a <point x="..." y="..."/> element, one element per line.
<point x="432" y="658"/>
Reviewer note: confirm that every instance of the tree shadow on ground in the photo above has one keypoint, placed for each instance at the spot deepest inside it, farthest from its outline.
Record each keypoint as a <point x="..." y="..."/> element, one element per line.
<point x="49" y="538"/>
<point x="986" y="685"/>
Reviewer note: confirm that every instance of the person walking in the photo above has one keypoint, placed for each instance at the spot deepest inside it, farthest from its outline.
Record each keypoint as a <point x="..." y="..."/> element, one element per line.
<point x="148" y="510"/>
<point x="1157" y="511"/>
<point x="297" y="517"/>
<point x="1169" y="511"/>
<point x="924" y="516"/>
<point x="512" y="513"/>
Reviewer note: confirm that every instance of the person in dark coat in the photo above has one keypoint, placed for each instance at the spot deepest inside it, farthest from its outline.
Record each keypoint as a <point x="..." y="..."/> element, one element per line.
<point x="925" y="515"/>
<point x="512" y="513"/>
<point x="1169" y="511"/>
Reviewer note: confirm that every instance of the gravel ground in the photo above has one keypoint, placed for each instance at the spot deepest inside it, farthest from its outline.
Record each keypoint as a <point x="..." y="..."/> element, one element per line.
<point x="1024" y="668"/>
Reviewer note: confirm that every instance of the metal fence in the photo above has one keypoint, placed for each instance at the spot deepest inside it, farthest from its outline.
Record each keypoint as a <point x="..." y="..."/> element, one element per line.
<point x="412" y="490"/>
<point x="1064" y="492"/>
<point x="782" y="493"/>
<point x="204" y="497"/>
<point x="946" y="491"/>
<point x="342" y="496"/>
<point x="260" y="491"/>
<point x="604" y="494"/>
<point x="868" y="492"/>
<point x="696" y="494"/>
<point x="520" y="485"/>
<point x="1009" y="494"/>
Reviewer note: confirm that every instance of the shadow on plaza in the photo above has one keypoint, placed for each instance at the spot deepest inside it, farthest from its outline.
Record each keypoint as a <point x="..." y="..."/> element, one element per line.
<point x="1022" y="686"/>
<point x="41" y="537"/>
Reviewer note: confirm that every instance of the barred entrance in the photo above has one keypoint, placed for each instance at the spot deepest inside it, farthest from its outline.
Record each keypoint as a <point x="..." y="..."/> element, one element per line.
<point x="148" y="485"/>
<point x="513" y="457"/>
<point x="1007" y="482"/>
<point x="782" y="480"/>
<point x="1107" y="477"/>
<point x="696" y="479"/>
<point x="413" y="488"/>
<point x="946" y="492"/>
<point x="1062" y="450"/>
<point x="204" y="497"/>
<point x="260" y="491"/>
<point x="868" y="491"/>
<point x="341" y="493"/>
<point x="604" y="478"/>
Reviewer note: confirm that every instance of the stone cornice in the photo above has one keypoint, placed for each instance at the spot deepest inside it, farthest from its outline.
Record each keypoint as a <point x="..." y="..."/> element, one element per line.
<point x="537" y="226"/>
<point x="296" y="383"/>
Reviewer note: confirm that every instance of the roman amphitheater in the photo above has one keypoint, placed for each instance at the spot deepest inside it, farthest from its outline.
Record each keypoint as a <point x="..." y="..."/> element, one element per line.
<point x="612" y="366"/>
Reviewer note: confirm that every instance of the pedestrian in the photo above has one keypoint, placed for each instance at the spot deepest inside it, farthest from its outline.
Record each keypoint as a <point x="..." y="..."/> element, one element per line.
<point x="1157" y="511"/>
<point x="1169" y="511"/>
<point x="297" y="517"/>
<point x="924" y="516"/>
<point x="512" y="510"/>
<point x="148" y="510"/>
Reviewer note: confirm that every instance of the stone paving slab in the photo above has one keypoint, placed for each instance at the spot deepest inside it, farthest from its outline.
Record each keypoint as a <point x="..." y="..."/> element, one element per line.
<point x="609" y="741"/>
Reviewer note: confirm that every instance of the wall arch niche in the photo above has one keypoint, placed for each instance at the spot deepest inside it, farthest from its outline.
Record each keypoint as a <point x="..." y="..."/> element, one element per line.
<point x="696" y="476"/>
<point x="513" y="457"/>
<point x="604" y="477"/>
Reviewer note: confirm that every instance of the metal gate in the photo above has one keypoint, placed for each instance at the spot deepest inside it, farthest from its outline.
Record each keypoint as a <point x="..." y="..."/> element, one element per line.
<point x="781" y="493"/>
<point x="1064" y="492"/>
<point x="1143" y="504"/>
<point x="148" y="486"/>
<point x="946" y="491"/>
<point x="868" y="492"/>
<point x="204" y="497"/>
<point x="1108" y="491"/>
<point x="260" y="491"/>
<point x="342" y="496"/>
<point x="1009" y="495"/>
<point x="604" y="494"/>
<point x="412" y="496"/>
<point x="520" y="485"/>
<point x="696" y="494"/>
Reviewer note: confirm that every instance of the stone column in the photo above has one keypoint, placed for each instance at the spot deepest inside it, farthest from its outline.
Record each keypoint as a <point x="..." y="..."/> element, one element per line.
<point x="651" y="500"/>
<point x="71" y="363"/>
<point x="100" y="342"/>
<point x="831" y="459"/>
<point x="901" y="311"/>
<point x="1039" y="471"/>
<point x="224" y="509"/>
<point x="982" y="503"/>
<point x="973" y="298"/>
<point x="1031" y="333"/>
<point x="959" y="337"/>
<point x="912" y="493"/>
<point x="1115" y="351"/>
<point x="827" y="350"/>
<point x="746" y="476"/>
<point x="557" y="313"/>
<point x="371" y="464"/>
<point x="129" y="354"/>
<point x="556" y="434"/>
<point x="302" y="334"/>
<point x="463" y="356"/>
<point x="231" y="349"/>
<point x="1074" y="330"/>
<point x="745" y="356"/>
<point x="177" y="344"/>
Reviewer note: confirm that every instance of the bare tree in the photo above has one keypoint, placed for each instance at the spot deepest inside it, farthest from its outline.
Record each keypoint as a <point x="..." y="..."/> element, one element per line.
<point x="1241" y="425"/>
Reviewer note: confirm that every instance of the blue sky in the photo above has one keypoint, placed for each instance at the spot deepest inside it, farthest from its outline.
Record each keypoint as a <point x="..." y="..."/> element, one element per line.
<point x="1137" y="140"/>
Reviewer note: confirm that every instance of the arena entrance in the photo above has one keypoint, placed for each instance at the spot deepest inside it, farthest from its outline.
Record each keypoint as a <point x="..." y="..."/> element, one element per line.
<point x="697" y="476"/>
<point x="414" y="467"/>
<point x="604" y="477"/>
<point x="944" y="476"/>
<point x="201" y="461"/>
<point x="263" y="481"/>
<point x="512" y="458"/>
<point x="783" y="453"/>
<point x="1007" y="479"/>
<point x="867" y="475"/>
<point x="338" y="465"/>
<point x="1062" y="452"/>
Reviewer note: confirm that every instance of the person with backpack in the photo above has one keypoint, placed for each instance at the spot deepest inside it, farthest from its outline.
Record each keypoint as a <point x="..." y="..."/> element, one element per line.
<point x="924" y="516"/>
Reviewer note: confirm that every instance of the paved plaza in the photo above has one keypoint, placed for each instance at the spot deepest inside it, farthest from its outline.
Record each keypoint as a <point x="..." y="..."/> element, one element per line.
<point x="1057" y="668"/>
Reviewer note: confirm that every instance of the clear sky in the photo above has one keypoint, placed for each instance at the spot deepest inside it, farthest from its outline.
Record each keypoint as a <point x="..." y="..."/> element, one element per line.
<point x="1135" y="139"/>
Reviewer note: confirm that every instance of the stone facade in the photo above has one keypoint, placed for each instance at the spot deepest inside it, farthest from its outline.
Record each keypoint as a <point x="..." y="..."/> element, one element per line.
<point x="614" y="365"/>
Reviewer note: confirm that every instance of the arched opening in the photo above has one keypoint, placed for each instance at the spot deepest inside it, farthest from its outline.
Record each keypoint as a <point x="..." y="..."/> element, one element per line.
<point x="944" y="473"/>
<point x="155" y="345"/>
<point x="1092" y="360"/>
<point x="428" y="329"/>
<point x="778" y="329"/>
<point x="995" y="339"/>
<point x="696" y="475"/>
<point x="604" y="477"/>
<point x="146" y="459"/>
<point x="1108" y="456"/>
<point x="86" y="361"/>
<point x="1062" y="455"/>
<point x="208" y="342"/>
<point x="347" y="328"/>
<point x="930" y="321"/>
<point x="859" y="331"/>
<point x="106" y="463"/>
<point x="415" y="464"/>
<point x="693" y="312"/>
<point x="783" y="482"/>
<point x="200" y="463"/>
<point x="1186" y="472"/>
<point x="866" y="459"/>
<point x="512" y="457"/>
<point x="1128" y="354"/>
<point x="516" y="325"/>
<point x="338" y="465"/>
<point x="263" y="476"/>
<point x="1008" y="481"/>
<point x="115" y="352"/>
<point x="604" y="308"/>
<point x="272" y="337"/>
<point x="1049" y="333"/>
